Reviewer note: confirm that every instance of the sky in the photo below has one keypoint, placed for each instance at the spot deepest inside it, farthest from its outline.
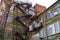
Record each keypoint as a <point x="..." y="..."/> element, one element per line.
<point x="46" y="3"/>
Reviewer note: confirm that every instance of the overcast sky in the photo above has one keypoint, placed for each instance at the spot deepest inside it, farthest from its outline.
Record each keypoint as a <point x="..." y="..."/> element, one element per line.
<point x="46" y="3"/>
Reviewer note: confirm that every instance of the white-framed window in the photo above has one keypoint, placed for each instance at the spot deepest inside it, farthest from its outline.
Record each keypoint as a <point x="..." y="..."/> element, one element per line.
<point x="51" y="15"/>
<point x="57" y="26"/>
<point x="45" y="32"/>
<point x="41" y="33"/>
<point x="42" y="18"/>
<point x="58" y="5"/>
<point x="48" y="13"/>
<point x="54" y="10"/>
<point x="50" y="29"/>
<point x="58" y="10"/>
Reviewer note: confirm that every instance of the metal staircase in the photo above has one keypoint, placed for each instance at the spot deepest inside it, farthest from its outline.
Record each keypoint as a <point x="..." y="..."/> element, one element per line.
<point x="26" y="17"/>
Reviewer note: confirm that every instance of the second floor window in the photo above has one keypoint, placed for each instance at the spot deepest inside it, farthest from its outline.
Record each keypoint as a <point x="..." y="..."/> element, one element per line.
<point x="51" y="15"/>
<point x="58" y="9"/>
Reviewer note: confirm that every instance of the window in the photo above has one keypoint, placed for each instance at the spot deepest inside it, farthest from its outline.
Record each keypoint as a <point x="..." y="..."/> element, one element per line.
<point x="48" y="13"/>
<point x="59" y="24"/>
<point x="44" y="17"/>
<point x="55" y="13"/>
<point x="58" y="5"/>
<point x="50" y="29"/>
<point x="48" y="16"/>
<point x="58" y="9"/>
<point x="41" y="33"/>
<point x="51" y="15"/>
<point x="57" y="27"/>
<point x="45" y="33"/>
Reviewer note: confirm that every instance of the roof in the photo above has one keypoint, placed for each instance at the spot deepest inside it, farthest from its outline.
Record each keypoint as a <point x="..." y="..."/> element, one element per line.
<point x="39" y="9"/>
<point x="53" y="5"/>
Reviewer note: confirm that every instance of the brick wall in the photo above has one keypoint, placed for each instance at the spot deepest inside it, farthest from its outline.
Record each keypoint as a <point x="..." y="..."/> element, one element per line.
<point x="39" y="9"/>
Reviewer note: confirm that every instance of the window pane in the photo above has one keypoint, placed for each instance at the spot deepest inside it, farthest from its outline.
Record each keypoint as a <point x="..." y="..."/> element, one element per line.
<point x="58" y="9"/>
<point x="48" y="13"/>
<point x="55" y="13"/>
<point x="50" y="29"/>
<point x="44" y="18"/>
<point x="58" y="5"/>
<point x="57" y="27"/>
<point x="45" y="33"/>
<point x="51" y="15"/>
<point x="41" y="33"/>
<point x="47" y="16"/>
